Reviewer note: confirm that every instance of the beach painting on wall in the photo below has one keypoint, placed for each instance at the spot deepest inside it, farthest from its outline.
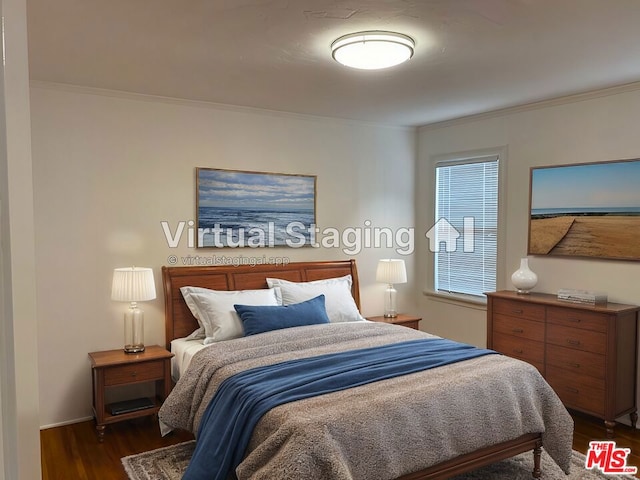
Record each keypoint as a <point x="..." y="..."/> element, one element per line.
<point x="254" y="209"/>
<point x="586" y="210"/>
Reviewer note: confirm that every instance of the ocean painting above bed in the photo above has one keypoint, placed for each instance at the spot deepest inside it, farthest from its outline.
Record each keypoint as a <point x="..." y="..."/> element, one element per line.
<point x="254" y="209"/>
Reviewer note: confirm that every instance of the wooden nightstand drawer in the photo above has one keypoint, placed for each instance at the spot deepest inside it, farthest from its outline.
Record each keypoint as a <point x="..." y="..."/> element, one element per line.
<point x="576" y="361"/>
<point x="403" y="320"/>
<point x="139" y="372"/>
<point x="415" y="324"/>
<point x="578" y="319"/>
<point x="585" y="340"/>
<point x="514" y="308"/>
<point x="519" y="328"/>
<point x="577" y="391"/>
<point x="527" y="350"/>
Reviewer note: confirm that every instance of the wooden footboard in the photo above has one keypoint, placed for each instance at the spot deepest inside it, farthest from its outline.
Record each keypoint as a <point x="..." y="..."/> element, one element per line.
<point x="483" y="457"/>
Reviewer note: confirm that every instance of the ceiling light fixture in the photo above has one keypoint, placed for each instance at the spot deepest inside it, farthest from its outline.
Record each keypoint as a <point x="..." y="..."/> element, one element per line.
<point x="372" y="50"/>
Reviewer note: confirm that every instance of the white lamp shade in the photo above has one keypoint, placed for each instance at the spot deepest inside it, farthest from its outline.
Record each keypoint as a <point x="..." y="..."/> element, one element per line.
<point x="133" y="284"/>
<point x="372" y="50"/>
<point x="391" y="271"/>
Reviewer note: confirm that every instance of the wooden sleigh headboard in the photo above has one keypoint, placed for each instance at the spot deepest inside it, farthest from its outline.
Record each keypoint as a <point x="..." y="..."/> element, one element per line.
<point x="179" y="322"/>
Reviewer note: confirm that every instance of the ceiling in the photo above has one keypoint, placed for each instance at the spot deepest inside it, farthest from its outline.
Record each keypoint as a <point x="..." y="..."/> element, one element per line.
<point x="472" y="56"/>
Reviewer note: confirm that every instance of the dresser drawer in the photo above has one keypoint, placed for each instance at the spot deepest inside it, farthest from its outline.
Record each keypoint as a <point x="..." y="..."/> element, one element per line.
<point x="577" y="391"/>
<point x="574" y="318"/>
<point x="576" y="361"/>
<point x="521" y="348"/>
<point x="136" y="372"/>
<point x="514" y="308"/>
<point x="519" y="327"/>
<point x="586" y="340"/>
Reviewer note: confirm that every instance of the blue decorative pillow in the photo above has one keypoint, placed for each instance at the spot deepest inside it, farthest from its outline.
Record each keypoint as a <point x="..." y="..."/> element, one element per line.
<point x="259" y="319"/>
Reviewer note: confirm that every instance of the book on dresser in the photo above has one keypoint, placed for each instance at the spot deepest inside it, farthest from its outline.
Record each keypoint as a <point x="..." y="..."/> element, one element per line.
<point x="582" y="296"/>
<point x="587" y="353"/>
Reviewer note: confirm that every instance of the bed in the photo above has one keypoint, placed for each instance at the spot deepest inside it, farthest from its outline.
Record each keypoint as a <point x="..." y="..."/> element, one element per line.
<point x="424" y="425"/>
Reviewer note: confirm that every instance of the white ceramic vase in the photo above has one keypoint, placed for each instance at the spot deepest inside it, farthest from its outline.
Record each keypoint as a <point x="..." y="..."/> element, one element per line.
<point x="524" y="279"/>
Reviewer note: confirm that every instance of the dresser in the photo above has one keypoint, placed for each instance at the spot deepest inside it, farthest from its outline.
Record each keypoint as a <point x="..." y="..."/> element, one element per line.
<point x="586" y="353"/>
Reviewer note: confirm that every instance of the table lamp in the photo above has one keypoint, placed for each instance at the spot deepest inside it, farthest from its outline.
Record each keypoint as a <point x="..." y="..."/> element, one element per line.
<point x="133" y="284"/>
<point x="391" y="271"/>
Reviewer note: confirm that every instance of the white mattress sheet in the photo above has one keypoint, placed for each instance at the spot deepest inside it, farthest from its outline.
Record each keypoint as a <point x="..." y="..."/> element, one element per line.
<point x="183" y="351"/>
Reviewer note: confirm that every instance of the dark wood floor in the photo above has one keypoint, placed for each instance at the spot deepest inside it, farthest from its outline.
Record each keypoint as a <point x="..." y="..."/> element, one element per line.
<point x="73" y="452"/>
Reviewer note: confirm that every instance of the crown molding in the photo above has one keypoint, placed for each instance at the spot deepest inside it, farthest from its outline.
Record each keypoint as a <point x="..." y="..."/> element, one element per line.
<point x="142" y="97"/>
<point x="552" y="102"/>
<point x="563" y="100"/>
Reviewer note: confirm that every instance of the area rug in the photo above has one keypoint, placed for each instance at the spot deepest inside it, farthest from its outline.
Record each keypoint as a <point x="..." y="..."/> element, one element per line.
<point x="169" y="463"/>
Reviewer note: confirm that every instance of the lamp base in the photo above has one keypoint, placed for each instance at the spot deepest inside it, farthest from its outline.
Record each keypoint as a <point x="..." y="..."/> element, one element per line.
<point x="134" y="329"/>
<point x="390" y="309"/>
<point x="133" y="348"/>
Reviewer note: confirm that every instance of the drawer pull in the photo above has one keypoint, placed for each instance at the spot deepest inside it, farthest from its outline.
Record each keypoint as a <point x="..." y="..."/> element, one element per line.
<point x="519" y="311"/>
<point x="517" y="330"/>
<point x="575" y="320"/>
<point x="575" y="343"/>
<point x="518" y="351"/>
<point x="573" y="365"/>
<point x="572" y="390"/>
<point x="134" y="374"/>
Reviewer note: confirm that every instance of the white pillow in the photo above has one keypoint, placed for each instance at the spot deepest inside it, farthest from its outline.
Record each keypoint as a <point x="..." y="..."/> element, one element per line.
<point x="215" y="313"/>
<point x="340" y="305"/>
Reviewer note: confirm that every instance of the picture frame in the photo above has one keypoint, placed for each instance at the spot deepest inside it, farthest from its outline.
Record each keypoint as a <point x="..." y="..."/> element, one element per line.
<point x="240" y="208"/>
<point x="586" y="210"/>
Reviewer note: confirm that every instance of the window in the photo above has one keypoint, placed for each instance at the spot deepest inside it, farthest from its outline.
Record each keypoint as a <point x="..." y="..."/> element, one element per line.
<point x="464" y="239"/>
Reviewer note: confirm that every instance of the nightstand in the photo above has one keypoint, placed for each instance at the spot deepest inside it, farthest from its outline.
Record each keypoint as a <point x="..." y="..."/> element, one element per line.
<point x="410" y="321"/>
<point x="113" y="368"/>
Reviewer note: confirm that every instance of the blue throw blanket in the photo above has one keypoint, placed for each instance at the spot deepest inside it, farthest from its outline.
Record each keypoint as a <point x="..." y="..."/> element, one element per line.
<point x="242" y="399"/>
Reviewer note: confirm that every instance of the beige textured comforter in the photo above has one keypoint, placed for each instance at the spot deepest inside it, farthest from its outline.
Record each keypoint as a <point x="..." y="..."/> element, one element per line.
<point x="381" y="430"/>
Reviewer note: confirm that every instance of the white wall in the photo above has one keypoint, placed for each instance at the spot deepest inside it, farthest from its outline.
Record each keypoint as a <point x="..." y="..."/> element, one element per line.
<point x="593" y="129"/>
<point x="109" y="168"/>
<point x="19" y="439"/>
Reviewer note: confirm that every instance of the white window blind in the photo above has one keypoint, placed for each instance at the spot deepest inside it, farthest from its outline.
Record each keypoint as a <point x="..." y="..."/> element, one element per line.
<point x="467" y="200"/>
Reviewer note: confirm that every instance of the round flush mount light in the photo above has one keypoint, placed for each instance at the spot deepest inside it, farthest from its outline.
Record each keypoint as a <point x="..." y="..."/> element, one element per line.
<point x="372" y="50"/>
